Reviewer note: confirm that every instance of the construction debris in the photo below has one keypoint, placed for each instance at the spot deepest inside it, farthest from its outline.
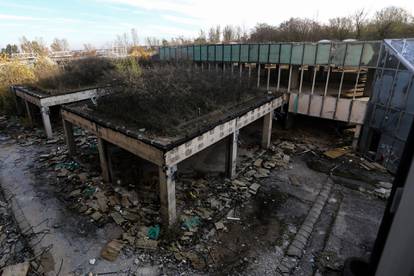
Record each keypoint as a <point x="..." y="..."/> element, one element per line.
<point x="338" y="152"/>
<point x="111" y="250"/>
<point x="20" y="269"/>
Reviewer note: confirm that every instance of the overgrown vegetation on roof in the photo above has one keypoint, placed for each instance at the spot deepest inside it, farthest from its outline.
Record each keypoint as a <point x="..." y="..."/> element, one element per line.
<point x="165" y="98"/>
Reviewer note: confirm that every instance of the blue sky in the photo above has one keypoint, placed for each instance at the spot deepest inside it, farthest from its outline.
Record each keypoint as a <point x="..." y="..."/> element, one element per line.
<point x="99" y="21"/>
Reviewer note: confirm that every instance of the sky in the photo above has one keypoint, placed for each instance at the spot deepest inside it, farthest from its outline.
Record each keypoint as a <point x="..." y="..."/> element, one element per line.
<point x="98" y="22"/>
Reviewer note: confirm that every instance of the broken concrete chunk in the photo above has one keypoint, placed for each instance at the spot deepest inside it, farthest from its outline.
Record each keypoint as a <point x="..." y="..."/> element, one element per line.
<point x="258" y="163"/>
<point x="385" y="185"/>
<point x="20" y="269"/>
<point x="250" y="173"/>
<point x="129" y="238"/>
<point x="96" y="216"/>
<point x="219" y="225"/>
<point x="254" y="188"/>
<point x="111" y="250"/>
<point x="262" y="173"/>
<point x="117" y="218"/>
<point x="145" y="243"/>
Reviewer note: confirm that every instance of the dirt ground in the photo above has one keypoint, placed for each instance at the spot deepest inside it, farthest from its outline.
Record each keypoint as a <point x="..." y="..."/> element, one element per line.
<point x="239" y="227"/>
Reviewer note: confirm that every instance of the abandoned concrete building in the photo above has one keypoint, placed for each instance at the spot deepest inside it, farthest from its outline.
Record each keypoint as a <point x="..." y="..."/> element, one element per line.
<point x="209" y="223"/>
<point x="360" y="83"/>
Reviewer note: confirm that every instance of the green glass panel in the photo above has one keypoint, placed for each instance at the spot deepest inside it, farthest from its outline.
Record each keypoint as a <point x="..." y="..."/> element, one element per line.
<point x="253" y="52"/>
<point x="370" y="54"/>
<point x="285" y="53"/>
<point x="263" y="53"/>
<point x="322" y="57"/>
<point x="235" y="53"/>
<point x="203" y="52"/>
<point x="309" y="55"/>
<point x="227" y="53"/>
<point x="274" y="50"/>
<point x="211" y="52"/>
<point x="197" y="53"/>
<point x="190" y="52"/>
<point x="244" y="52"/>
<point x="353" y="54"/>
<point x="162" y="53"/>
<point x="173" y="53"/>
<point x="338" y="53"/>
<point x="297" y="53"/>
<point x="167" y="53"/>
<point x="219" y="53"/>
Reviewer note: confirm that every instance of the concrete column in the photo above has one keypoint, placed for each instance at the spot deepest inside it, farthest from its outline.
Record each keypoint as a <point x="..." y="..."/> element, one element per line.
<point x="29" y="112"/>
<point x="268" y="79"/>
<point x="231" y="155"/>
<point x="104" y="159"/>
<point x="294" y="78"/>
<point x="70" y="141"/>
<point x="167" y="194"/>
<point x="258" y="75"/>
<point x="356" y="136"/>
<point x="267" y="130"/>
<point x="46" y="121"/>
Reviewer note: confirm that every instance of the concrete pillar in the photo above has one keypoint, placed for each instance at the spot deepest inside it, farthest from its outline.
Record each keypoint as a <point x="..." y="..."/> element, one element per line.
<point x="70" y="141"/>
<point x="167" y="194"/>
<point x="356" y="136"/>
<point x="29" y="112"/>
<point x="267" y="130"/>
<point x="231" y="155"/>
<point x="258" y="75"/>
<point x="46" y="121"/>
<point x="268" y="79"/>
<point x="104" y="159"/>
<point x="294" y="78"/>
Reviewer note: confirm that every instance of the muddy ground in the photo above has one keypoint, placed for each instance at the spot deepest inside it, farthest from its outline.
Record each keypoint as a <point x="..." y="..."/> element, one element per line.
<point x="241" y="227"/>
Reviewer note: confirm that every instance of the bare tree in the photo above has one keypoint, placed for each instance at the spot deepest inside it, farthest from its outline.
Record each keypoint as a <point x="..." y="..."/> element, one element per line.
<point x="359" y="20"/>
<point x="59" y="45"/>
<point x="214" y="34"/>
<point x="201" y="38"/>
<point x="391" y="22"/>
<point x="341" y="27"/>
<point x="228" y="33"/>
<point x="36" y="46"/>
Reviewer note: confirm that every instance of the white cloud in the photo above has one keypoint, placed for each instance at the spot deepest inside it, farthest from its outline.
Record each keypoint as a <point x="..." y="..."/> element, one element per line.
<point x="239" y="12"/>
<point x="19" y="17"/>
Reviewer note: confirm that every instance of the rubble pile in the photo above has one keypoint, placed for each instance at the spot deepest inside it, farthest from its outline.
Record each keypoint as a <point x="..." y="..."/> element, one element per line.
<point x="14" y="250"/>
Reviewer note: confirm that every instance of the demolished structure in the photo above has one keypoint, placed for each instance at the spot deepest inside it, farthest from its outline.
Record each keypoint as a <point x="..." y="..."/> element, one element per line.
<point x="340" y="81"/>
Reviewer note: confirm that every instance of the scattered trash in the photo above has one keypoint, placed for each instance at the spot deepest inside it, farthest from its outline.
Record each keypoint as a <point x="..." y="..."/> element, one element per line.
<point x="191" y="223"/>
<point x="154" y="232"/>
<point x="92" y="261"/>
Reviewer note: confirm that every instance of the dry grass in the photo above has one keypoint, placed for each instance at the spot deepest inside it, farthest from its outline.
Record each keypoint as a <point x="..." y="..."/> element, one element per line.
<point x="164" y="97"/>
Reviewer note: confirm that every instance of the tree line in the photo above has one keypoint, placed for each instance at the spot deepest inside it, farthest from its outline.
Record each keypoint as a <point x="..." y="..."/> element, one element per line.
<point x="390" y="22"/>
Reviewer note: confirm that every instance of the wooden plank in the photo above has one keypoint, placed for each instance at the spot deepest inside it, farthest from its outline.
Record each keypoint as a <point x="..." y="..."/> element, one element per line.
<point x="130" y="144"/>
